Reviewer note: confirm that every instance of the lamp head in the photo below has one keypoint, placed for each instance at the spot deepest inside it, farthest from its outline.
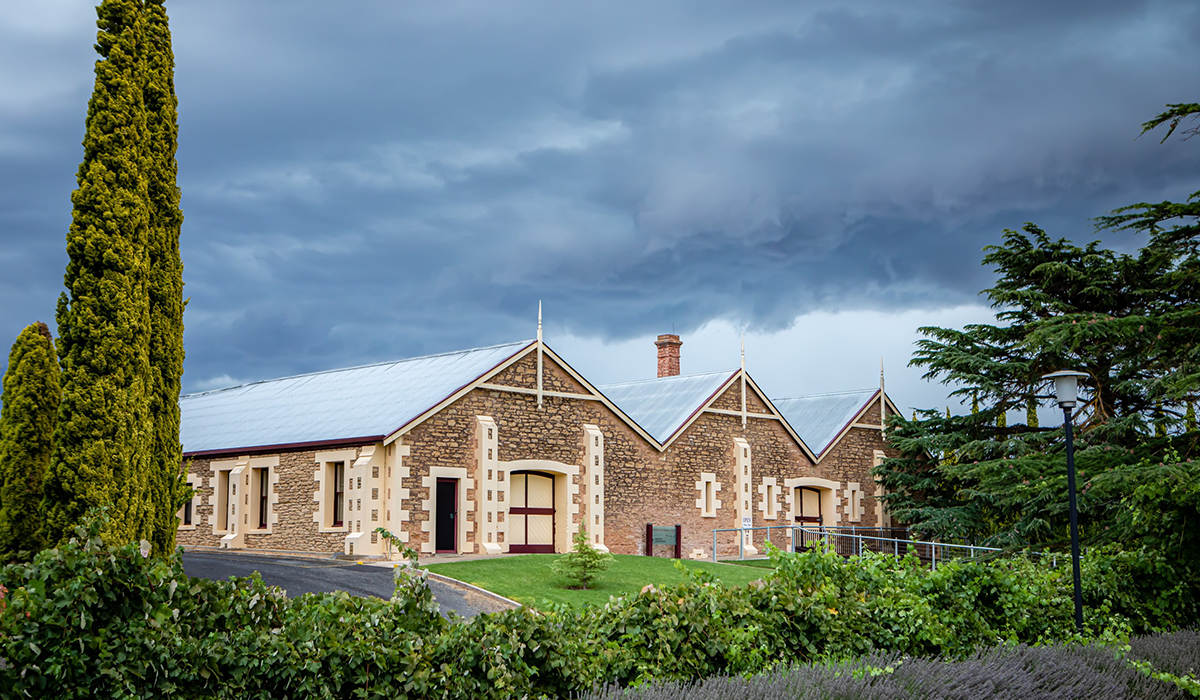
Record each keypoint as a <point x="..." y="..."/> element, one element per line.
<point x="1066" y="386"/>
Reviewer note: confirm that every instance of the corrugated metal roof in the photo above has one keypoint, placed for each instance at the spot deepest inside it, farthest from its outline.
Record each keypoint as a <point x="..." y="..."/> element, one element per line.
<point x="661" y="406"/>
<point x="338" y="404"/>
<point x="818" y="419"/>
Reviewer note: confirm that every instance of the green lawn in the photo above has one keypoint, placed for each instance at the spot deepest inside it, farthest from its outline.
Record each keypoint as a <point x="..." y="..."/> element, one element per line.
<point x="757" y="563"/>
<point x="528" y="579"/>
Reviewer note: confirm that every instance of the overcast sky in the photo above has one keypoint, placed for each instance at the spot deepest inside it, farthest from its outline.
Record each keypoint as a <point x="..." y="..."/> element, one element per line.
<point x="376" y="180"/>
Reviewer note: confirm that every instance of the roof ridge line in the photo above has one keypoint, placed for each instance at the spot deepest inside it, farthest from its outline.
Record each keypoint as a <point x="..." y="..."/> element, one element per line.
<point x="347" y="369"/>
<point x="831" y="393"/>
<point x="674" y="376"/>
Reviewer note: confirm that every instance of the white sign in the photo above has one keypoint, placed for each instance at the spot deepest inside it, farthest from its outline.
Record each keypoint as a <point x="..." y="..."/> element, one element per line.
<point x="747" y="521"/>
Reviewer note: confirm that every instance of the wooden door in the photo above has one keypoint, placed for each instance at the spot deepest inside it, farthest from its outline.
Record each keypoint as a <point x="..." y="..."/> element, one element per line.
<point x="531" y="513"/>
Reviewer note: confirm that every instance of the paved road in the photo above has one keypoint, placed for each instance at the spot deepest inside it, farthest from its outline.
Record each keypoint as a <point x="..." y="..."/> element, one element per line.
<point x="299" y="575"/>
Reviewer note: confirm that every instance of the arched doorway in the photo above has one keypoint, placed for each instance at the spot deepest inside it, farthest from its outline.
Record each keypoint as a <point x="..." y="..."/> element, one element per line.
<point x="808" y="506"/>
<point x="808" y="515"/>
<point x="531" y="514"/>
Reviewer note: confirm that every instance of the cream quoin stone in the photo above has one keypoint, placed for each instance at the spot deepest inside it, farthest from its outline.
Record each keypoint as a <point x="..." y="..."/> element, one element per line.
<point x="489" y="497"/>
<point x="882" y="517"/>
<point x="594" y="487"/>
<point x="367" y="482"/>
<point x="745" y="477"/>
<point x="531" y="412"/>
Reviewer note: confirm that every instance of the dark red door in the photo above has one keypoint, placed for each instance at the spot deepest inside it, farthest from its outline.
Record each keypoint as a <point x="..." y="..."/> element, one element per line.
<point x="446" y="509"/>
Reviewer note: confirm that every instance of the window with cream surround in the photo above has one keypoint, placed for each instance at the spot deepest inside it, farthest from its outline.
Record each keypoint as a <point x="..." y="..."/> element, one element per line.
<point x="854" y="506"/>
<point x="769" y="505"/>
<point x="709" y="487"/>
<point x="333" y="503"/>
<point x="224" y="491"/>
<point x="187" y="514"/>
<point x="260" y="497"/>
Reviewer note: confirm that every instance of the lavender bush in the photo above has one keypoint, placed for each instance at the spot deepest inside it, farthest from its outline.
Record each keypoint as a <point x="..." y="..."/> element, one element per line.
<point x="1177" y="654"/>
<point x="1029" y="673"/>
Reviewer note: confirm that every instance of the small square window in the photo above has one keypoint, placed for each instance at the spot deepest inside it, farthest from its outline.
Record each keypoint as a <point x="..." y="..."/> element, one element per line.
<point x="489" y="433"/>
<point x="489" y="453"/>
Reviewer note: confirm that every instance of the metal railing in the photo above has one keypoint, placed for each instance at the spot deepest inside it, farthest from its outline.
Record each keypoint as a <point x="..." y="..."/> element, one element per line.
<point x="853" y="541"/>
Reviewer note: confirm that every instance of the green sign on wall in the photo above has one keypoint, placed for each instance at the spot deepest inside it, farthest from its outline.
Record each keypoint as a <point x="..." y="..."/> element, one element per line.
<point x="664" y="535"/>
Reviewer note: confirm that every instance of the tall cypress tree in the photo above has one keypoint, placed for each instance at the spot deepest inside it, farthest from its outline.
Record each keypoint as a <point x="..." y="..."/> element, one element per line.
<point x="166" y="275"/>
<point x="103" y="440"/>
<point x="31" y="396"/>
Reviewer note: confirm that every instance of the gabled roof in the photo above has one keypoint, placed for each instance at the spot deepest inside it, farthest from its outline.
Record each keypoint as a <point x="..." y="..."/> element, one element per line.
<point x="821" y="418"/>
<point x="367" y="402"/>
<point x="662" y="406"/>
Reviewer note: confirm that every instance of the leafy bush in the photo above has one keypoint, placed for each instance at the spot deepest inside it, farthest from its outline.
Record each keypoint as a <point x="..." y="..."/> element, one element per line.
<point x="584" y="562"/>
<point x="86" y="620"/>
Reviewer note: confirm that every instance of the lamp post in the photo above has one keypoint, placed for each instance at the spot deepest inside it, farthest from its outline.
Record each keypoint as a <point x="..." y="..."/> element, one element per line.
<point x="1066" y="389"/>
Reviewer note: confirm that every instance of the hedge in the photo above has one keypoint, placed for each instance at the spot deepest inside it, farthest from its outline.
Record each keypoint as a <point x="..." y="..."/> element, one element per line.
<point x="88" y="620"/>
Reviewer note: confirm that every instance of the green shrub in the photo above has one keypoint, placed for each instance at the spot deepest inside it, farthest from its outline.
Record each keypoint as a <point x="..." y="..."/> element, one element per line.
<point x="87" y="620"/>
<point x="584" y="562"/>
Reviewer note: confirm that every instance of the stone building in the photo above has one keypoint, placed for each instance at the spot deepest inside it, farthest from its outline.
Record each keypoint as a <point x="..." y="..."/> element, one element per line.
<point x="508" y="449"/>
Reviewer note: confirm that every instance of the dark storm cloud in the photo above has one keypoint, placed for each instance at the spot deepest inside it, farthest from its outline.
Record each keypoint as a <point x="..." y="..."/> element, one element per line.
<point x="373" y="180"/>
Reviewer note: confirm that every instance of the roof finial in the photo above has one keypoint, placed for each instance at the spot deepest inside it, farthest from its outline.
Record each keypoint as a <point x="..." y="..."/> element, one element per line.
<point x="743" y="379"/>
<point x="882" y="403"/>
<point x="539" y="356"/>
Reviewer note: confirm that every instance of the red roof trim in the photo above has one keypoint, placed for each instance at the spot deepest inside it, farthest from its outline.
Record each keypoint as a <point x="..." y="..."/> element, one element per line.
<point x="849" y="423"/>
<point x="703" y="404"/>
<point x="439" y="402"/>
<point x="285" y="447"/>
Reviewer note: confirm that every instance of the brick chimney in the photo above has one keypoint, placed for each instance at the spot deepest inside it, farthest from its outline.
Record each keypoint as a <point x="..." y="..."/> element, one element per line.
<point x="668" y="355"/>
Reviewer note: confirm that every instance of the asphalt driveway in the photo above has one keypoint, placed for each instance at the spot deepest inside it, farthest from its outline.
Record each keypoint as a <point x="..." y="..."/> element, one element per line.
<point x="300" y="575"/>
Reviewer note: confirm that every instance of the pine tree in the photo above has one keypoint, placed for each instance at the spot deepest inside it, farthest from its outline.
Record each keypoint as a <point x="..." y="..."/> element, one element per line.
<point x="1189" y="418"/>
<point x="166" y="276"/>
<point x="584" y="562"/>
<point x="1131" y="322"/>
<point x="1002" y="420"/>
<point x="27" y="418"/>
<point x="102" y="442"/>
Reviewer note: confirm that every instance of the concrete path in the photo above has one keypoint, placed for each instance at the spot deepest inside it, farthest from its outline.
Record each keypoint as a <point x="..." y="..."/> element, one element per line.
<point x="299" y="575"/>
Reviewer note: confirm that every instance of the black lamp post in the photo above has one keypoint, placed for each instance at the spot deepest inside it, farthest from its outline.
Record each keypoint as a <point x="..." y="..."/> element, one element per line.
<point x="1066" y="389"/>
